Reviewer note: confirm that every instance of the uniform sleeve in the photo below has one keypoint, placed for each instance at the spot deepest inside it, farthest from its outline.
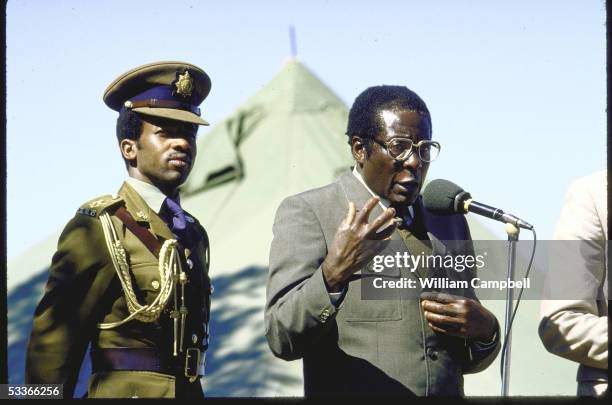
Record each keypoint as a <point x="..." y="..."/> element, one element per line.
<point x="578" y="329"/>
<point x="298" y="306"/>
<point x="65" y="319"/>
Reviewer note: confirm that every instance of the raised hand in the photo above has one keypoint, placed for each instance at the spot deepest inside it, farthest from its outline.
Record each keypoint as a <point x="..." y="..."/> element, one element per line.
<point x="355" y="243"/>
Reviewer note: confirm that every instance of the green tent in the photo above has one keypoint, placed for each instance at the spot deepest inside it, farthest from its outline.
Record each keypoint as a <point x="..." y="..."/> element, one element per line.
<point x="287" y="138"/>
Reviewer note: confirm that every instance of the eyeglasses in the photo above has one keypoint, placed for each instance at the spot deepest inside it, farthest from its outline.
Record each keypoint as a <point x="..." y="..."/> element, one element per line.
<point x="401" y="148"/>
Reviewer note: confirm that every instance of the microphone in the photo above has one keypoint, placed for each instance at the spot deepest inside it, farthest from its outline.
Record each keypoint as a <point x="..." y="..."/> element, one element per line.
<point x="445" y="197"/>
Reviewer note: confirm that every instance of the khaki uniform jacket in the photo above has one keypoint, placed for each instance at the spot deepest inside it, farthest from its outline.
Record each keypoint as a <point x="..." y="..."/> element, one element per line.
<point x="578" y="329"/>
<point x="83" y="290"/>
<point x="363" y="347"/>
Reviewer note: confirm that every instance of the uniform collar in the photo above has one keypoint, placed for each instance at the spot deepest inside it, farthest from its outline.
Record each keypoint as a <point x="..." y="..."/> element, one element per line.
<point x="149" y="193"/>
<point x="383" y="202"/>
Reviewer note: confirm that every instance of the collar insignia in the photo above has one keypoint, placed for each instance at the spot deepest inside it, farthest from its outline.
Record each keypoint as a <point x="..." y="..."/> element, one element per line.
<point x="142" y="216"/>
<point x="97" y="203"/>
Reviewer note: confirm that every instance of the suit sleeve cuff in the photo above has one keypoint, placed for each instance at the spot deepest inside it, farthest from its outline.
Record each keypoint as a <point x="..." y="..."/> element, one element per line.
<point x="480" y="345"/>
<point x="318" y="299"/>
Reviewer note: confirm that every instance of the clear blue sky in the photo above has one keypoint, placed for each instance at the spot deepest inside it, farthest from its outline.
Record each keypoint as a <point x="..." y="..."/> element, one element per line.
<point x="516" y="89"/>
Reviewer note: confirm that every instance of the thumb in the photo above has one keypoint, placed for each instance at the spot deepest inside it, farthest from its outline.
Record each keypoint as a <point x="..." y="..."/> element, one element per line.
<point x="350" y="216"/>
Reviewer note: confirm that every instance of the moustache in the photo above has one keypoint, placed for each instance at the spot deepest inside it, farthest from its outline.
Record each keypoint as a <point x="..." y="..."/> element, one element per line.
<point x="179" y="156"/>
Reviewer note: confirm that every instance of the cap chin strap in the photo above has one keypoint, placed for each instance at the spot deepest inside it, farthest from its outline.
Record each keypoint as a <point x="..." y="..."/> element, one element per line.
<point x="157" y="103"/>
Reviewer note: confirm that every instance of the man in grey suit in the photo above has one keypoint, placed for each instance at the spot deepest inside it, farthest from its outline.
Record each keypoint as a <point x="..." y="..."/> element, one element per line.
<point x="352" y="346"/>
<point x="576" y="327"/>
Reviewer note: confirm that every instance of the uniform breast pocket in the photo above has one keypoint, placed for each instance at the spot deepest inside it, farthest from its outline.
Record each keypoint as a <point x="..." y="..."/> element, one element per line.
<point x="361" y="306"/>
<point x="146" y="282"/>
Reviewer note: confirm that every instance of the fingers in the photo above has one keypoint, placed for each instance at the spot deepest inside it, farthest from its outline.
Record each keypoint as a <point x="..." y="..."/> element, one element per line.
<point x="437" y="329"/>
<point x="364" y="214"/>
<point x="443" y="320"/>
<point x="440" y="297"/>
<point x="454" y="330"/>
<point x="385" y="233"/>
<point x="350" y="216"/>
<point x="438" y="308"/>
<point x="382" y="219"/>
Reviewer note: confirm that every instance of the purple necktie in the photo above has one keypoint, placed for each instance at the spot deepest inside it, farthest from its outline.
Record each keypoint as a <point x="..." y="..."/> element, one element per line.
<point x="177" y="214"/>
<point x="407" y="219"/>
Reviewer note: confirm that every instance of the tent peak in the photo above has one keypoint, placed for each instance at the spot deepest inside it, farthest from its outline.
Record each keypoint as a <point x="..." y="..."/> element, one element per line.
<point x="295" y="89"/>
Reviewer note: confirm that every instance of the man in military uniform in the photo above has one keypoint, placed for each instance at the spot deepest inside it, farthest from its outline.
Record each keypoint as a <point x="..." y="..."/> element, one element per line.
<point x="130" y="275"/>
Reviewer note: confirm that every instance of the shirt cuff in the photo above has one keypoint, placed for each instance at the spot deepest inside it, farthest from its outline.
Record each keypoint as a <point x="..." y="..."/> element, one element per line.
<point x="336" y="297"/>
<point x="478" y="345"/>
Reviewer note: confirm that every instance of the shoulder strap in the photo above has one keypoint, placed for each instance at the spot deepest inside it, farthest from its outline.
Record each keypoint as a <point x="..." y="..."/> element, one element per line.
<point x="94" y="208"/>
<point x="141" y="232"/>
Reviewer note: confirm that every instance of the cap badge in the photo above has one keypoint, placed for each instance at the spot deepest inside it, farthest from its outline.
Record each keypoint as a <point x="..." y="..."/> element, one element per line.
<point x="184" y="84"/>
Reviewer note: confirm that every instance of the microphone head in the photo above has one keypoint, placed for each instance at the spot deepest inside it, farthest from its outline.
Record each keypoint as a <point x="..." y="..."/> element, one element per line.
<point x="444" y="197"/>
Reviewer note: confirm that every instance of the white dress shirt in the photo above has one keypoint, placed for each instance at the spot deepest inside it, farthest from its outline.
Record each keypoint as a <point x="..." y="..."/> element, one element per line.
<point x="149" y="193"/>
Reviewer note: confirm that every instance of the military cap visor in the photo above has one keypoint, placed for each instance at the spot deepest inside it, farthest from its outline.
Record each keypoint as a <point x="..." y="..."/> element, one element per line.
<point x="172" y="90"/>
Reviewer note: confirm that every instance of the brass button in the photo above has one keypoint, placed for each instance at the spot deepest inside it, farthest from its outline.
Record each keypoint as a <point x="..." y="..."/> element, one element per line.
<point x="190" y="263"/>
<point x="324" y="315"/>
<point x="155" y="284"/>
<point x="194" y="338"/>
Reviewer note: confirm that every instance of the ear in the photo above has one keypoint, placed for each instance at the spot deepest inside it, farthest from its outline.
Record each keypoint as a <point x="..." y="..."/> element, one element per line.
<point x="129" y="149"/>
<point x="360" y="154"/>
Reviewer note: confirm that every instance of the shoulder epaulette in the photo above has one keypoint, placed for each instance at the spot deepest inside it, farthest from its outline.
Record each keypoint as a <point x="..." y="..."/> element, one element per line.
<point x="97" y="206"/>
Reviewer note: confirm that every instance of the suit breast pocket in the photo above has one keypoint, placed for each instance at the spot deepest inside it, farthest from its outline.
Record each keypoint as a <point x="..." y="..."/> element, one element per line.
<point x="360" y="306"/>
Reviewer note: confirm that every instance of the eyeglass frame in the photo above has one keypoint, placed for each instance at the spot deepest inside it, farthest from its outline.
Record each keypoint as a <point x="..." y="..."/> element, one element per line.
<point x="412" y="147"/>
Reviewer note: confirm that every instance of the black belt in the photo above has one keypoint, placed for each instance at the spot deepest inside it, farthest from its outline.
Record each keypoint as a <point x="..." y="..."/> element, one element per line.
<point x="117" y="359"/>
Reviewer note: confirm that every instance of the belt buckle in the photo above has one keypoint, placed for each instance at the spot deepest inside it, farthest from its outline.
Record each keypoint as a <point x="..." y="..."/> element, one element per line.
<point x="192" y="363"/>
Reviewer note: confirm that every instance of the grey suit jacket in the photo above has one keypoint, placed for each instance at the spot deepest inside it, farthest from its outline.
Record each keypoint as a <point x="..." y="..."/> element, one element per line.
<point x="363" y="347"/>
<point x="578" y="329"/>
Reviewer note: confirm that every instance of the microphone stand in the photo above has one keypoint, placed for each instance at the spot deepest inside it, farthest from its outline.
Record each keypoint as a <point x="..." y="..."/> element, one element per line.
<point x="513" y="235"/>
